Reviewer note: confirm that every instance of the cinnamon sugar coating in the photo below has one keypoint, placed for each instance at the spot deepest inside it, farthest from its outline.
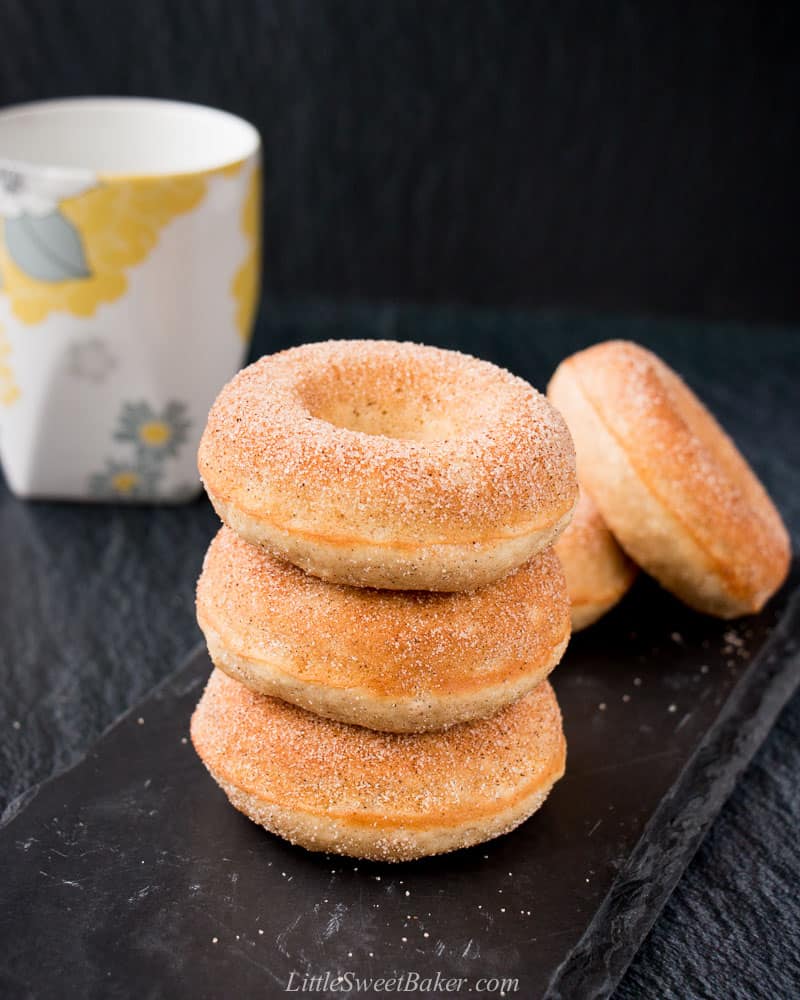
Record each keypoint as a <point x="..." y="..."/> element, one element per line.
<point x="671" y="485"/>
<point x="334" y="787"/>
<point x="597" y="571"/>
<point x="402" y="661"/>
<point x="389" y="464"/>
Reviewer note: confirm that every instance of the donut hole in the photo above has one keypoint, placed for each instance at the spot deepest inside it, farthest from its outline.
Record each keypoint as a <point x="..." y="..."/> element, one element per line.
<point x="393" y="404"/>
<point x="380" y="418"/>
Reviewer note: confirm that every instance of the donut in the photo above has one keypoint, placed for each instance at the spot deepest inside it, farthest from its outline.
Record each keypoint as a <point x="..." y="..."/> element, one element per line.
<point x="597" y="571"/>
<point x="671" y="485"/>
<point x="385" y="464"/>
<point x="386" y="796"/>
<point x="402" y="661"/>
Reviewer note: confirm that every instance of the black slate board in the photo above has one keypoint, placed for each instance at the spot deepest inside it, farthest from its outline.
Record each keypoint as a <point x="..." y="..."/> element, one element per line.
<point x="131" y="876"/>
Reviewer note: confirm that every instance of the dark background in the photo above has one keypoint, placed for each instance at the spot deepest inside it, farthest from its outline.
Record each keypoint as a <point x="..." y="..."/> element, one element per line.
<point x="623" y="156"/>
<point x="627" y="156"/>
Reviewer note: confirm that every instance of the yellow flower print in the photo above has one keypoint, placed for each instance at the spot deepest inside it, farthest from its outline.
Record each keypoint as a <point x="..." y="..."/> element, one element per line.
<point x="125" y="482"/>
<point x="247" y="280"/>
<point x="119" y="224"/>
<point x="9" y="390"/>
<point x="163" y="433"/>
<point x="156" y="437"/>
<point x="155" y="433"/>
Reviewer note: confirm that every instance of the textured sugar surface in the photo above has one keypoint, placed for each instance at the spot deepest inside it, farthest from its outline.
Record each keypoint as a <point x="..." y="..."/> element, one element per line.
<point x="689" y="476"/>
<point x="295" y="759"/>
<point x="665" y="427"/>
<point x="507" y="456"/>
<point x="587" y="530"/>
<point x="404" y="642"/>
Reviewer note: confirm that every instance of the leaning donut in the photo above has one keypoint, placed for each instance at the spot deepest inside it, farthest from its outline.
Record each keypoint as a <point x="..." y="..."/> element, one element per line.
<point x="670" y="484"/>
<point x="390" y="797"/>
<point x="597" y="571"/>
<point x="384" y="464"/>
<point x="402" y="661"/>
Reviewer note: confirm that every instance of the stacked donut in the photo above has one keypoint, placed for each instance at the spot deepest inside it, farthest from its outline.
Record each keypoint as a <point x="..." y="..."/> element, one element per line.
<point x="382" y="604"/>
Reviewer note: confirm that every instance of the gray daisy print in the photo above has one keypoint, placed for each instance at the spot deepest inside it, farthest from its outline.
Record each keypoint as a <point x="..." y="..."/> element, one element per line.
<point x="90" y="359"/>
<point x="155" y="433"/>
<point x="124" y="481"/>
<point x="154" y="436"/>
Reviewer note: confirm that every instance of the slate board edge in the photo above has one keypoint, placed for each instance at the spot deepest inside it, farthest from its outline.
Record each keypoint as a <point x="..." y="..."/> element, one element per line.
<point x="675" y="831"/>
<point x="16" y="808"/>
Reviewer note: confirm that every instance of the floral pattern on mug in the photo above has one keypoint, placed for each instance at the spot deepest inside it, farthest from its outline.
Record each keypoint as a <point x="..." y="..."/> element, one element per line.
<point x="36" y="194"/>
<point x="68" y="247"/>
<point x="154" y="433"/>
<point x="156" y="437"/>
<point x="90" y="359"/>
<point x="9" y="390"/>
<point x="123" y="481"/>
<point x="247" y="280"/>
<point x="40" y="241"/>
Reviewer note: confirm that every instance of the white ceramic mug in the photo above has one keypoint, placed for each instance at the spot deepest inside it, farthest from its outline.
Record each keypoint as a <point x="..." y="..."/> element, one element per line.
<point x="129" y="279"/>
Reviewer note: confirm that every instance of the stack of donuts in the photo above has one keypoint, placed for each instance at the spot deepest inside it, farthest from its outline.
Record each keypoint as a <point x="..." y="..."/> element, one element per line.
<point x="383" y="604"/>
<point x="386" y="599"/>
